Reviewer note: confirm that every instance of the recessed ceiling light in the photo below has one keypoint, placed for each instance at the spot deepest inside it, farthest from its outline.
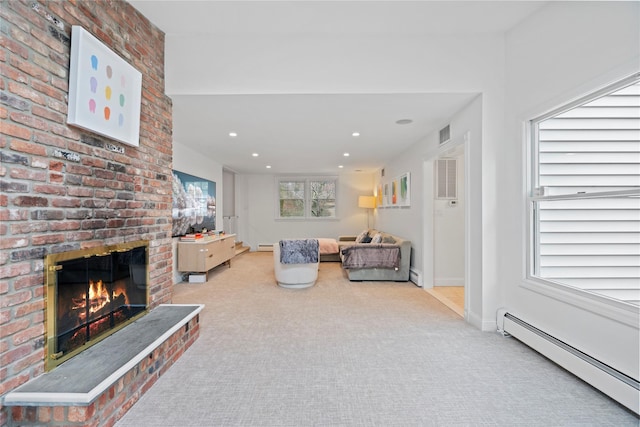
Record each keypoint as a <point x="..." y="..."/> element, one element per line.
<point x="233" y="134"/>
<point x="355" y="134"/>
<point x="346" y="154"/>
<point x="340" y="166"/>
<point x="268" y="166"/>
<point x="255" y="154"/>
<point x="404" y="121"/>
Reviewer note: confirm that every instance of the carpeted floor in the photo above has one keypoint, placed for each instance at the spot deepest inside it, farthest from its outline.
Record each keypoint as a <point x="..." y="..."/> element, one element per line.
<point x="354" y="354"/>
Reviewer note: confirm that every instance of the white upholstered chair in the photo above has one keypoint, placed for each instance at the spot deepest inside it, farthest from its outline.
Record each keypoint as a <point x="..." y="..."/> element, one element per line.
<point x="294" y="275"/>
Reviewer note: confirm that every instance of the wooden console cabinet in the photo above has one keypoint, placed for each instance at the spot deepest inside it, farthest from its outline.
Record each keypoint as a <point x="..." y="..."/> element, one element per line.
<point x="202" y="256"/>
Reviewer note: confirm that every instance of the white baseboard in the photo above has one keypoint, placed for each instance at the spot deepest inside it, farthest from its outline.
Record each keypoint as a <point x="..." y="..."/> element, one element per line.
<point x="448" y="281"/>
<point x="485" y="325"/>
<point x="607" y="379"/>
<point x="415" y="276"/>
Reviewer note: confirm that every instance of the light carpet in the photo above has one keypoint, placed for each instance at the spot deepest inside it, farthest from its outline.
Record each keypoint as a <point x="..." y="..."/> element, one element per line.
<point x="354" y="354"/>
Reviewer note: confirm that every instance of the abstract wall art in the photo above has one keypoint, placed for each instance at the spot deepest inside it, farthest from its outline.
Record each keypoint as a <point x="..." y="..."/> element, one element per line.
<point x="104" y="90"/>
<point x="396" y="192"/>
<point x="386" y="195"/>
<point x="194" y="204"/>
<point x="404" y="192"/>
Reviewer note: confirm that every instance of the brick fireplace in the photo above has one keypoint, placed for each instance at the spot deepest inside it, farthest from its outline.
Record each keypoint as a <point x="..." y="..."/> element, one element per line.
<point x="90" y="294"/>
<point x="64" y="189"/>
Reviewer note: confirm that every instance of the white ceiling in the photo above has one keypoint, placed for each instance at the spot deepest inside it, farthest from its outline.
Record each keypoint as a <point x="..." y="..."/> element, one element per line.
<point x="305" y="128"/>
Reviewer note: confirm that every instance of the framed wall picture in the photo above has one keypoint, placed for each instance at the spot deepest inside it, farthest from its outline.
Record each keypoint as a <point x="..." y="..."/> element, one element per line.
<point x="194" y="204"/>
<point x="404" y="190"/>
<point x="379" y="196"/>
<point x="104" y="90"/>
<point x="394" y="192"/>
<point x="386" y="195"/>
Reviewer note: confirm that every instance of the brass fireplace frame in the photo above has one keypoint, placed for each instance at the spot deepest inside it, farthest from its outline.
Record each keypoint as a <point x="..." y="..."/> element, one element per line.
<point x="53" y="359"/>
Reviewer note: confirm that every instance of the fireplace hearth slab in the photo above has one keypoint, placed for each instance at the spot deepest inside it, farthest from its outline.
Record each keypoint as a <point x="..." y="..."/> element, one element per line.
<point x="79" y="380"/>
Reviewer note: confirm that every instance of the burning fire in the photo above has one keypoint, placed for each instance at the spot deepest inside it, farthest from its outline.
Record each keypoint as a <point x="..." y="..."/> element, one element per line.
<point x="98" y="298"/>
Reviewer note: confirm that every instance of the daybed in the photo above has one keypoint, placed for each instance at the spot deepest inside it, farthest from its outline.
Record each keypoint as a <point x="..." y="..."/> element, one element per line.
<point x="375" y="255"/>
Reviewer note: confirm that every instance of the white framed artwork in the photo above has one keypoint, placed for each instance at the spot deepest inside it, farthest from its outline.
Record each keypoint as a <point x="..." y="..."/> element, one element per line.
<point x="404" y="190"/>
<point x="104" y="90"/>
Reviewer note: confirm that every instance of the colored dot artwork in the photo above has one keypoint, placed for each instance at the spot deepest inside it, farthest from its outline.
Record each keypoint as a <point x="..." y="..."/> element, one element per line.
<point x="105" y="91"/>
<point x="105" y="81"/>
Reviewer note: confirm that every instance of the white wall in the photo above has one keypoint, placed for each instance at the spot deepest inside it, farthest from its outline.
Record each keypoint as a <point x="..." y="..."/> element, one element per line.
<point x="564" y="51"/>
<point x="417" y="222"/>
<point x="256" y="205"/>
<point x="561" y="51"/>
<point x="369" y="63"/>
<point x="204" y="166"/>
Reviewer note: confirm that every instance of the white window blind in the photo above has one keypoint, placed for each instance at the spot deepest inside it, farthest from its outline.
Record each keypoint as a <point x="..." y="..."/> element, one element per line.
<point x="586" y="195"/>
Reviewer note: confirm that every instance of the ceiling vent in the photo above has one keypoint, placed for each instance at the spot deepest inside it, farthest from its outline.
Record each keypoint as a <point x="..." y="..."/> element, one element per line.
<point x="445" y="134"/>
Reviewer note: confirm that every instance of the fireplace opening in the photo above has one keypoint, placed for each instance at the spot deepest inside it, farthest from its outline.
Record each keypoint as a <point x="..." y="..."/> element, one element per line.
<point x="91" y="294"/>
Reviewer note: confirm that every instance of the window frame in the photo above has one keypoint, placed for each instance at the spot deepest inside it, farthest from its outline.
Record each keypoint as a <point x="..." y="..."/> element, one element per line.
<point x="609" y="307"/>
<point x="308" y="201"/>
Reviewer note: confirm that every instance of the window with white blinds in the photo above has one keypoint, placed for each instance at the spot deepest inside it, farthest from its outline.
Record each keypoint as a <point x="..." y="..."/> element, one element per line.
<point x="585" y="196"/>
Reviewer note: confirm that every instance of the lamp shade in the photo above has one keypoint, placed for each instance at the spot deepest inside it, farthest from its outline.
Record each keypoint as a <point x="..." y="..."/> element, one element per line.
<point x="368" y="202"/>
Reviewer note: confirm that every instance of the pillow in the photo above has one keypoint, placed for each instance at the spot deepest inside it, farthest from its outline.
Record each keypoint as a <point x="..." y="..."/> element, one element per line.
<point x="377" y="238"/>
<point x="388" y="239"/>
<point x="362" y="235"/>
<point x="366" y="240"/>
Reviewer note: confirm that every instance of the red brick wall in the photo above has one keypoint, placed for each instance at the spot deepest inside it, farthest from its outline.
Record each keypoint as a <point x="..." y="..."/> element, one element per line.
<point x="115" y="401"/>
<point x="62" y="188"/>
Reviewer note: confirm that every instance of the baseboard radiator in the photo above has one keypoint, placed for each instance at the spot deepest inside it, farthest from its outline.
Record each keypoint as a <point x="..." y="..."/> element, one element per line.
<point x="415" y="277"/>
<point x="615" y="384"/>
<point x="265" y="247"/>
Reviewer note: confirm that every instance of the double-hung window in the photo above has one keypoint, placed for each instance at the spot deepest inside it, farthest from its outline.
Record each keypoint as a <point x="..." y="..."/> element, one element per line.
<point x="584" y="201"/>
<point x="306" y="197"/>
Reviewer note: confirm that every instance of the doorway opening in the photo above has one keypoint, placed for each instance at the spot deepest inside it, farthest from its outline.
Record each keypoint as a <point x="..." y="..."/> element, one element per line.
<point x="449" y="212"/>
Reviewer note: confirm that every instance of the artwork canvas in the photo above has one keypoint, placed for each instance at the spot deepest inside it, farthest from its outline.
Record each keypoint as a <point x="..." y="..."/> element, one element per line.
<point x="379" y="198"/>
<point x="404" y="195"/>
<point x="386" y="194"/>
<point x="194" y="204"/>
<point x="104" y="90"/>
<point x="394" y="192"/>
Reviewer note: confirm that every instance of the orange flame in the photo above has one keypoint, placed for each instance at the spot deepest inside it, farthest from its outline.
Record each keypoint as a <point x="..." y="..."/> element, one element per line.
<point x="99" y="297"/>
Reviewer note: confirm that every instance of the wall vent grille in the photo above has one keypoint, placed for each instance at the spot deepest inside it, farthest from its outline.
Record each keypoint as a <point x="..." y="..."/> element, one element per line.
<point x="445" y="134"/>
<point x="446" y="179"/>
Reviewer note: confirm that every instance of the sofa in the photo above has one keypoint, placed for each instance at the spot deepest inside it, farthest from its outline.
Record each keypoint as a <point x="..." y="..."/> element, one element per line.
<point x="329" y="250"/>
<point x="375" y="255"/>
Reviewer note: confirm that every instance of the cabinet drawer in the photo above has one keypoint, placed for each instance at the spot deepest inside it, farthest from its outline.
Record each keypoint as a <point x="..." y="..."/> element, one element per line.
<point x="203" y="256"/>
<point x="212" y="254"/>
